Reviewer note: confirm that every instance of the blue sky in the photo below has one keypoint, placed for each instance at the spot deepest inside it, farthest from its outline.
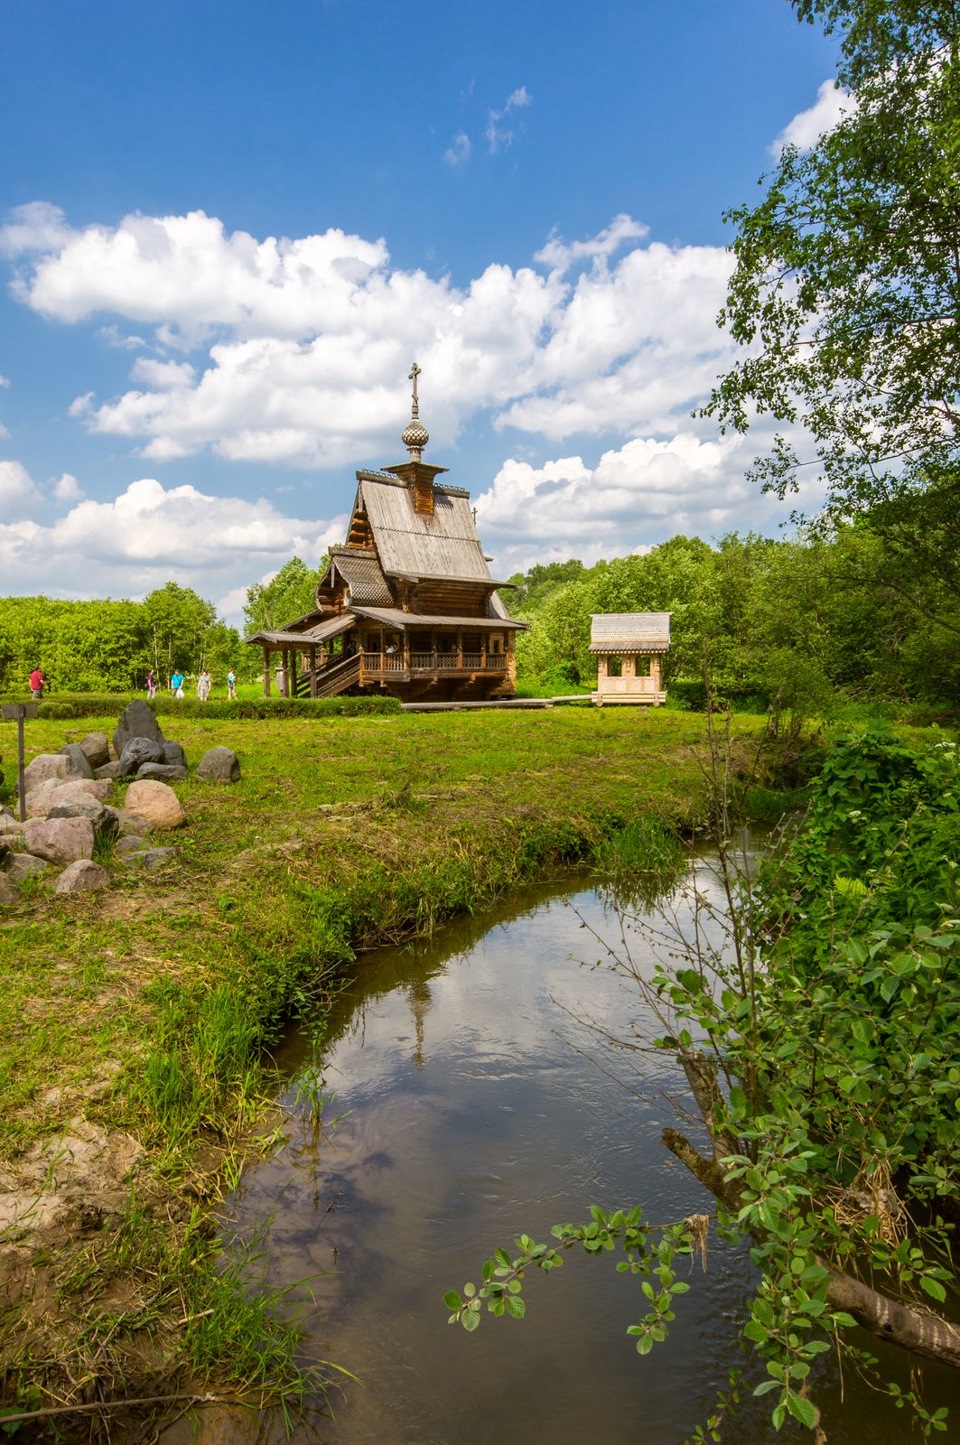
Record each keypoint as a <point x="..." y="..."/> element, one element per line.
<point x="227" y="230"/>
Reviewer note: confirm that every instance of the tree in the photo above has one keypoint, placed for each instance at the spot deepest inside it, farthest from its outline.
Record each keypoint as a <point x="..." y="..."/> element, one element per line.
<point x="290" y="594"/>
<point x="847" y="282"/>
<point x="179" y="624"/>
<point x="817" y="1040"/>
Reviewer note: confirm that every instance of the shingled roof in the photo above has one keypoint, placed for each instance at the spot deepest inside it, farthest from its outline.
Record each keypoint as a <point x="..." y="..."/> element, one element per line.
<point x="630" y="632"/>
<point x="444" y="545"/>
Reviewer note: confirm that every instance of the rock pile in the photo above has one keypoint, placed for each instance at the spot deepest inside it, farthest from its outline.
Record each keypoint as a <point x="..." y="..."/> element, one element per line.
<point x="68" y="812"/>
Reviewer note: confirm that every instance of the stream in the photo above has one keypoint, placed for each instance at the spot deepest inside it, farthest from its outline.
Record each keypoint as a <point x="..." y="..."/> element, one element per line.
<point x="472" y="1095"/>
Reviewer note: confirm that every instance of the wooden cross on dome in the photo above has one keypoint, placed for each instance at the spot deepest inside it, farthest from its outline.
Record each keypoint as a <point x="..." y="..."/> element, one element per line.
<point x="414" y="373"/>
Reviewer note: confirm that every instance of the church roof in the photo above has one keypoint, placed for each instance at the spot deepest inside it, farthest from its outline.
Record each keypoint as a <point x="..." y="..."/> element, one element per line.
<point x="441" y="546"/>
<point x="360" y="569"/>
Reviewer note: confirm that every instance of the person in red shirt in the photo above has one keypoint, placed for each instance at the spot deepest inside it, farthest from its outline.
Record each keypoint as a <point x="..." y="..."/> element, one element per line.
<point x="37" y="683"/>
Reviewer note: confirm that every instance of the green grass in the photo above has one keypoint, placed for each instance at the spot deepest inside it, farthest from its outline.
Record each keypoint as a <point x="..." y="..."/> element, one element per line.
<point x="152" y="1007"/>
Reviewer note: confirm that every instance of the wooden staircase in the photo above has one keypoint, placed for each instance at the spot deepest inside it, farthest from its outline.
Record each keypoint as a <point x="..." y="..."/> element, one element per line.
<point x="332" y="680"/>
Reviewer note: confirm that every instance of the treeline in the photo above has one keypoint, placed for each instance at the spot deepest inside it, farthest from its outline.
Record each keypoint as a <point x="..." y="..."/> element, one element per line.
<point x="802" y="620"/>
<point x="109" y="646"/>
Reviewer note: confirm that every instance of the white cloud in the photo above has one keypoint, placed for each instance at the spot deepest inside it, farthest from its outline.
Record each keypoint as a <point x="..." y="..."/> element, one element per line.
<point x="35" y="227"/>
<point x="806" y="128"/>
<point x="150" y="534"/>
<point x="497" y="136"/>
<point x="164" y="375"/>
<point x="16" y="487"/>
<point x="637" y="495"/>
<point x="459" y="151"/>
<point x="308" y="342"/>
<point x="560" y="256"/>
<point x="113" y="336"/>
<point x="68" y="489"/>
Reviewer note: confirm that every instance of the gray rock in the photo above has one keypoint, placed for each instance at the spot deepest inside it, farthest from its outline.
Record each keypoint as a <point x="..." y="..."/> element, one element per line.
<point x="24" y="865"/>
<point x="219" y="765"/>
<point x="97" y="748"/>
<point x="152" y="858"/>
<point x="130" y="843"/>
<point x="59" y="840"/>
<point x="83" y="875"/>
<point x="132" y="825"/>
<point x="166" y="772"/>
<point x="9" y="892"/>
<point x="173" y="753"/>
<point x="105" y="820"/>
<point x="139" y="751"/>
<point x="136" y="721"/>
<point x="45" y="766"/>
<point x="41" y="799"/>
<point x="110" y="770"/>
<point x="82" y="767"/>
<point x="5" y="813"/>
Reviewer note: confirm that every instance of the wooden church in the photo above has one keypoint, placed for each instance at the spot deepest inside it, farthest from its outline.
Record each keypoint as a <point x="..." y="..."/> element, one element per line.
<point x="407" y="605"/>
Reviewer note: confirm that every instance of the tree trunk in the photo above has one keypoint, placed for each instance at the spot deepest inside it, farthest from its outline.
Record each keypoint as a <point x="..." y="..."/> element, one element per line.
<point x="912" y="1329"/>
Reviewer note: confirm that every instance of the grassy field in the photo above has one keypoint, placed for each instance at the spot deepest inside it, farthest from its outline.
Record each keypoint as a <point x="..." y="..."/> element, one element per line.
<point x="148" y="1010"/>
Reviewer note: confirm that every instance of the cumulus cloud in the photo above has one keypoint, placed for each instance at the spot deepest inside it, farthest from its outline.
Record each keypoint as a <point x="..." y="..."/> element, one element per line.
<point x="16" y="487"/>
<point x="151" y="533"/>
<point x="68" y="489"/>
<point x="300" y="343"/>
<point x="806" y="128"/>
<point x="636" y="496"/>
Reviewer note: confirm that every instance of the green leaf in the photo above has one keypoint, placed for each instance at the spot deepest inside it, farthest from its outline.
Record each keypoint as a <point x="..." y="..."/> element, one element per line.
<point x="516" y="1307"/>
<point x="802" y="1409"/>
<point x="452" y="1300"/>
<point x="933" y="1287"/>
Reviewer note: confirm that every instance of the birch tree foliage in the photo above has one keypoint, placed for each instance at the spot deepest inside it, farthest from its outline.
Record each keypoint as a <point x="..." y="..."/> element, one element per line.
<point x="846" y="290"/>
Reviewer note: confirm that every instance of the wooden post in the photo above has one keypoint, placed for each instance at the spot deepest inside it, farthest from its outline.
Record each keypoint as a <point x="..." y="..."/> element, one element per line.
<point x="266" y="672"/>
<point x="313" y="672"/>
<point x="20" y="710"/>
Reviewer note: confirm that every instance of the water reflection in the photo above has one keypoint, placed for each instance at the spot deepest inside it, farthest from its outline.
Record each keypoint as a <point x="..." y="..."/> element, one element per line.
<point x="473" y="1103"/>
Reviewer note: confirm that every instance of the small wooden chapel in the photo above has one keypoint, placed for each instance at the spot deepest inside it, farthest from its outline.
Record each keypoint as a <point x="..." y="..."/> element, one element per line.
<point x="629" y="648"/>
<point x="407" y="605"/>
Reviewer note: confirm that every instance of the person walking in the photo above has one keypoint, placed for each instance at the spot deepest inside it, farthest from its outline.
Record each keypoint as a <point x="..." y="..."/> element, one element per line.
<point x="203" y="686"/>
<point x="231" y="686"/>
<point x="37" y="684"/>
<point x="151" y="683"/>
<point x="176" y="682"/>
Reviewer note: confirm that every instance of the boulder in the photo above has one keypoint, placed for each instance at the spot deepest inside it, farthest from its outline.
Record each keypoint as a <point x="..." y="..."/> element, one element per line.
<point x="151" y="859"/>
<point x="40" y="800"/>
<point x="59" y="840"/>
<point x="83" y="875"/>
<point x="97" y="748"/>
<point x="130" y="843"/>
<point x="8" y="824"/>
<point x="219" y="765"/>
<point x="82" y="767"/>
<point x="173" y="753"/>
<point x="105" y="820"/>
<point x="138" y="751"/>
<point x="110" y="770"/>
<point x="9" y="893"/>
<point x="166" y="772"/>
<point x="23" y="865"/>
<point x="155" y="801"/>
<point x="136" y="721"/>
<point x="45" y="766"/>
<point x="131" y="825"/>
